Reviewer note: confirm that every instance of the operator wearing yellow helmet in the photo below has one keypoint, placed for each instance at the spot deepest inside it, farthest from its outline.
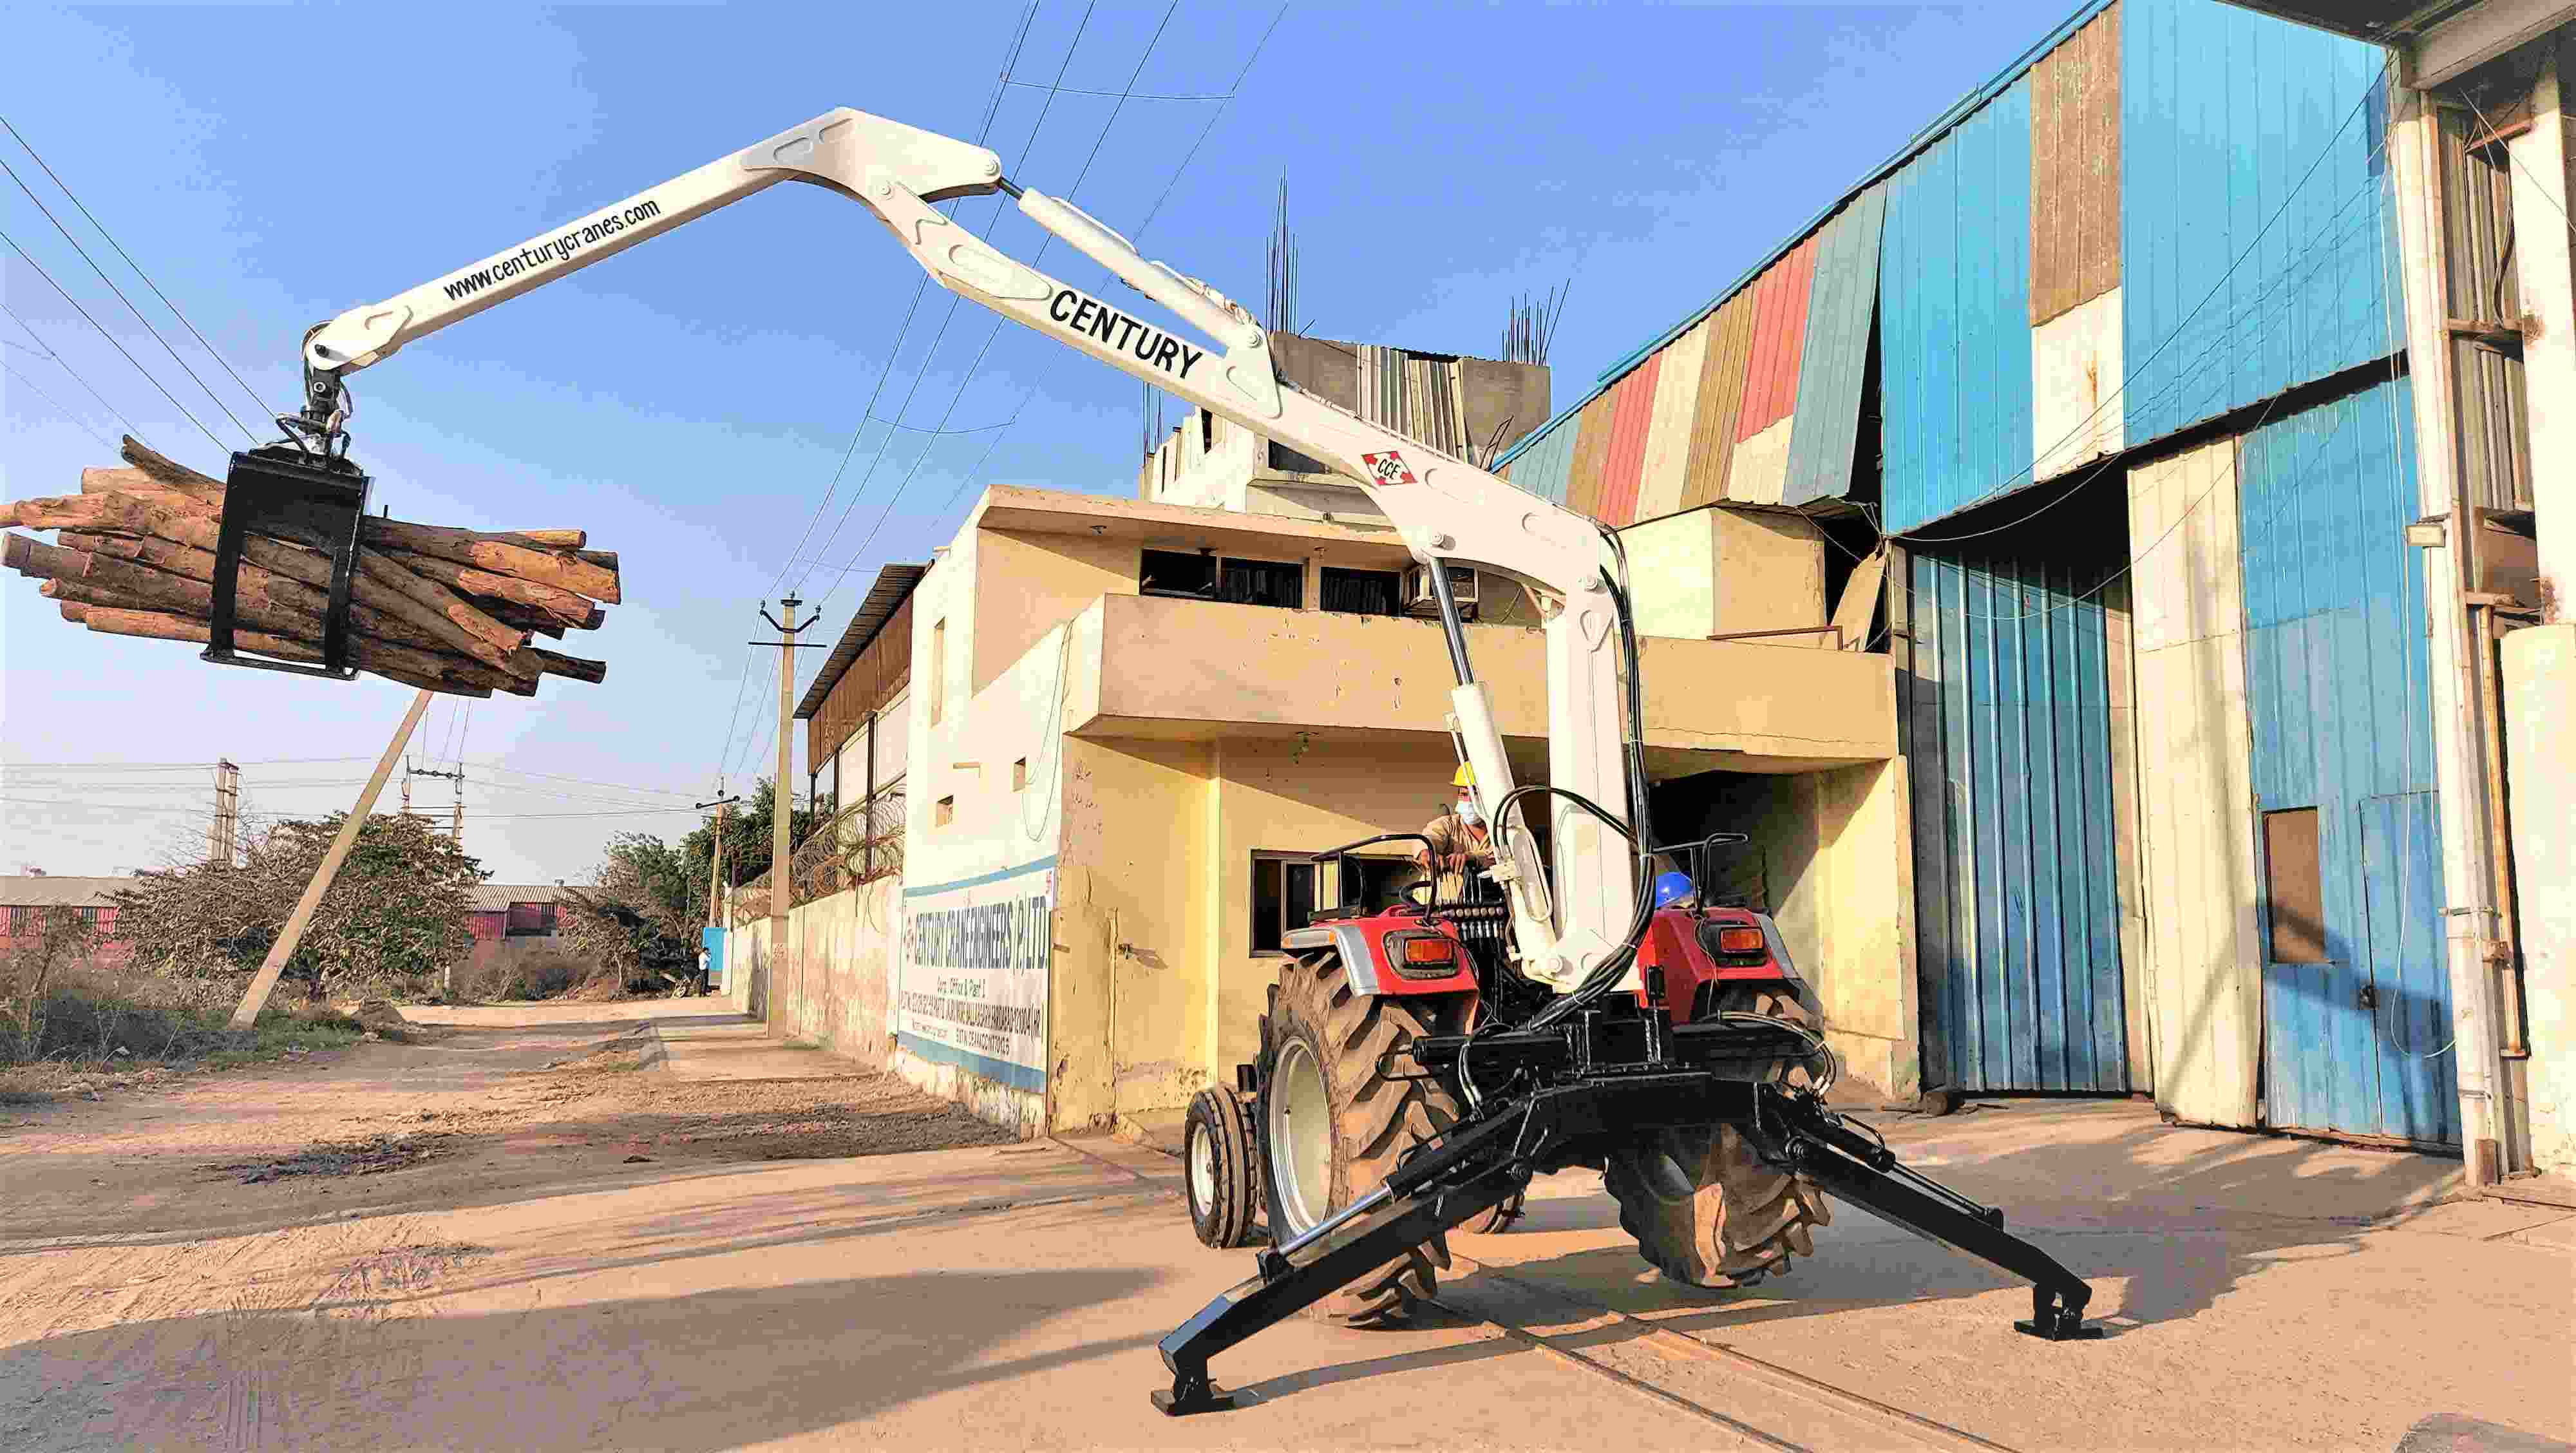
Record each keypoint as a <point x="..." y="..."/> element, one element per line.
<point x="1461" y="843"/>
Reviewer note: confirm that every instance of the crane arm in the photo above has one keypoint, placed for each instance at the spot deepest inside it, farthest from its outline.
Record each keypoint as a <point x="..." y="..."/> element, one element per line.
<point x="1445" y="509"/>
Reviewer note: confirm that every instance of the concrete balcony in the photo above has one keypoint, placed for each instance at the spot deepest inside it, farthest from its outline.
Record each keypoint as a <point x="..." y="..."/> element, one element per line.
<point x="1187" y="670"/>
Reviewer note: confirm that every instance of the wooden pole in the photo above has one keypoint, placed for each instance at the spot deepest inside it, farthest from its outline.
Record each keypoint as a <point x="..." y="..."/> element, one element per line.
<point x="255" y="998"/>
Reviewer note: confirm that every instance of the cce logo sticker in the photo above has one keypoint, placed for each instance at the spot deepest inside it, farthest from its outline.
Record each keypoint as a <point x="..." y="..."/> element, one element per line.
<point x="1387" y="468"/>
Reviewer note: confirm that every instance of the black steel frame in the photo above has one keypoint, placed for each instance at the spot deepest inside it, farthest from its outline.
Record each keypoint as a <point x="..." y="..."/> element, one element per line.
<point x="312" y="499"/>
<point x="1596" y="1082"/>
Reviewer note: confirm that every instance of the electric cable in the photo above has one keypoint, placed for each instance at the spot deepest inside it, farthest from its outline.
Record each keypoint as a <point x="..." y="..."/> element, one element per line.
<point x="148" y="375"/>
<point x="257" y="402"/>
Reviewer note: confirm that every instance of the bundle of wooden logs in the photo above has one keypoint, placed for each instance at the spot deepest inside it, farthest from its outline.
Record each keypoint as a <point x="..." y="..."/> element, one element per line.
<point x="447" y="609"/>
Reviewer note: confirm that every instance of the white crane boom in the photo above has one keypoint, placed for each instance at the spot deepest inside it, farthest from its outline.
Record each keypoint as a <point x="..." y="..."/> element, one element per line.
<point x="1445" y="509"/>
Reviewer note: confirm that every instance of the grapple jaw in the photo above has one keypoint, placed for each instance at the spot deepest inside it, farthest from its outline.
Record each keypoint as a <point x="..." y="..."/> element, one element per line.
<point x="315" y="499"/>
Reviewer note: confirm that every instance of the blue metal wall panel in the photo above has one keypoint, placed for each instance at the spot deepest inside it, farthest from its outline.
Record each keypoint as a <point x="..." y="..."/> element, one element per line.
<point x="2338" y="694"/>
<point x="1546" y="461"/>
<point x="2256" y="219"/>
<point x="1954" y="321"/>
<point x="2008" y="732"/>
<point x="1839" y="303"/>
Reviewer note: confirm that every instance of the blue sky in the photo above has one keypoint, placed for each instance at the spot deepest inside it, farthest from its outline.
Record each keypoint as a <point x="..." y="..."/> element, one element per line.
<point x="690" y="401"/>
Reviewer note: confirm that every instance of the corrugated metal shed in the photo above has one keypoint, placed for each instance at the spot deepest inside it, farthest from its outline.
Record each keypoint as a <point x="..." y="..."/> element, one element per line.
<point x="2255" y="215"/>
<point x="1666" y="471"/>
<point x="2007" y="729"/>
<point x="2075" y="169"/>
<point x="1954" y="329"/>
<point x="2339" y="687"/>
<point x="1840" y="302"/>
<point x="1721" y="400"/>
<point x="1779" y="336"/>
<point x="1591" y="456"/>
<point x="1543" y="462"/>
<point x="54" y="890"/>
<point x="893" y="586"/>
<point x="1632" y="413"/>
<point x="2198" y="879"/>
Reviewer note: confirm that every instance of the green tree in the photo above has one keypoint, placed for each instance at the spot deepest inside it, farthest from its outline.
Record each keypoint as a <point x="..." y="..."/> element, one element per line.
<point x="746" y="843"/>
<point x="396" y="911"/>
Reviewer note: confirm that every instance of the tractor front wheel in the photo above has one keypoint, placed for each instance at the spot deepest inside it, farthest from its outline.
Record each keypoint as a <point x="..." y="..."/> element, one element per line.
<point x="1704" y="1205"/>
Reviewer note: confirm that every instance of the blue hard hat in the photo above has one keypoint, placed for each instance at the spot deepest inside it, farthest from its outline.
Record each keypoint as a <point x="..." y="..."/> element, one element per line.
<point x="1672" y="888"/>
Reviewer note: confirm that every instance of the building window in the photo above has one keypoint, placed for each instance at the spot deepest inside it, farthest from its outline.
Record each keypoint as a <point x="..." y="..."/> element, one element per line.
<point x="943" y="812"/>
<point x="1361" y="592"/>
<point x="531" y="920"/>
<point x="1170" y="572"/>
<point x="1283" y="898"/>
<point x="2294" y="886"/>
<point x="1262" y="582"/>
<point x="1207" y="433"/>
<point x="1019" y="774"/>
<point x="938" y="667"/>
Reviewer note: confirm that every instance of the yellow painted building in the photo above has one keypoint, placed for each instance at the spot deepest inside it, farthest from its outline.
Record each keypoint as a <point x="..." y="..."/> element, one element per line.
<point x="1130" y="721"/>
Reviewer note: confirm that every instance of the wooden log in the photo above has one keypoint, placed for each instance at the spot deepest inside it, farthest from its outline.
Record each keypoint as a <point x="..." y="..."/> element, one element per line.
<point x="570" y="609"/>
<point x="596" y="578"/>
<point x="310" y="568"/>
<point x="169" y="576"/>
<point x="409" y="668"/>
<point x="376" y="566"/>
<point x="116" y="513"/>
<point x="565" y="572"/>
<point x="534" y="622"/>
<point x="36" y="559"/>
<point x="577" y="667"/>
<point x="171" y="474"/>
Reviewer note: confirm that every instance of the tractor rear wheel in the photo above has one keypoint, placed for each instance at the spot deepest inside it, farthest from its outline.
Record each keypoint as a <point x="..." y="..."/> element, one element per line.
<point x="1334" y="1124"/>
<point x="1706" y="1209"/>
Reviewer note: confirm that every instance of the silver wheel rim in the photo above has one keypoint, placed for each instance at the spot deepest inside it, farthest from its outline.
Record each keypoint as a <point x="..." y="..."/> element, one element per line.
<point x="1301" y="1138"/>
<point x="1202" y="1169"/>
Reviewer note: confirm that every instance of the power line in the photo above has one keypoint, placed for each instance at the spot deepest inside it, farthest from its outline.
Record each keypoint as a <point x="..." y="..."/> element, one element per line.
<point x="581" y="781"/>
<point x="65" y="364"/>
<point x="148" y="376"/>
<point x="922" y="372"/>
<point x="1156" y="210"/>
<point x="1019" y="41"/>
<point x="122" y="298"/>
<point x="256" y="401"/>
<point x="58" y="406"/>
<point x="995" y="332"/>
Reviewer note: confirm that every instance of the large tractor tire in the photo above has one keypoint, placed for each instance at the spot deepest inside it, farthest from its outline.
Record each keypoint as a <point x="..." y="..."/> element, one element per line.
<point x="1706" y="1209"/>
<point x="1334" y="1126"/>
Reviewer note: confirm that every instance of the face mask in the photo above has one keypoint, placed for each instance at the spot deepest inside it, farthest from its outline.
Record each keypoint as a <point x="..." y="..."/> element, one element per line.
<point x="1470" y="813"/>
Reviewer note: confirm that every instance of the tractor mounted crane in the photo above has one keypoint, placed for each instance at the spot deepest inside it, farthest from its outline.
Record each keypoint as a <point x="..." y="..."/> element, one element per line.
<point x="1421" y="1061"/>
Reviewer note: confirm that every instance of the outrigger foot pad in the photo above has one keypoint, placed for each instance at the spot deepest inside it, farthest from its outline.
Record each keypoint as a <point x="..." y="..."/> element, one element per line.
<point x="1198" y="1395"/>
<point x="2051" y="1322"/>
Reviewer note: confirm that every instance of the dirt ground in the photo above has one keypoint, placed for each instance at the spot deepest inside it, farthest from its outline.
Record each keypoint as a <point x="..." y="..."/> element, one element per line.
<point x="475" y="1114"/>
<point x="533" y="1231"/>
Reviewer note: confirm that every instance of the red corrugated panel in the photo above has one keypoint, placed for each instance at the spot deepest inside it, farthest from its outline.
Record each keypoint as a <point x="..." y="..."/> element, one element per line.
<point x="1632" y="412"/>
<point x="1779" y="338"/>
<point x="486" y="925"/>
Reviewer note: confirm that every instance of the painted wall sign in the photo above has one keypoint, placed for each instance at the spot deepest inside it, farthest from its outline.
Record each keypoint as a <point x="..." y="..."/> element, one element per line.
<point x="976" y="955"/>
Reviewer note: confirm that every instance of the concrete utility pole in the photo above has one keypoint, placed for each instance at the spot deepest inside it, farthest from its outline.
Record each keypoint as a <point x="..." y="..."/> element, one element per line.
<point x="782" y="800"/>
<point x="255" y="998"/>
<point x="223" y="834"/>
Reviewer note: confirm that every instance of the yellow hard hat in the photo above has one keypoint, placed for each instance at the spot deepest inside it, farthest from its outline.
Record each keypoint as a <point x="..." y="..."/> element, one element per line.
<point x="1466" y="776"/>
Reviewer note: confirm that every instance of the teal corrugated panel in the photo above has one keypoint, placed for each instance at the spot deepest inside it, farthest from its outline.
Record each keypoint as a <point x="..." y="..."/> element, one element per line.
<point x="1839" y="301"/>
<point x="2008" y="730"/>
<point x="1545" y="461"/>
<point x="2338" y="690"/>
<point x="2256" y="221"/>
<point x="1954" y="333"/>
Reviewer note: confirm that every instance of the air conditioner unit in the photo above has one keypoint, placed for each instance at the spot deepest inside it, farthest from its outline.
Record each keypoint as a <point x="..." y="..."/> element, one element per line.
<point x="1420" y="599"/>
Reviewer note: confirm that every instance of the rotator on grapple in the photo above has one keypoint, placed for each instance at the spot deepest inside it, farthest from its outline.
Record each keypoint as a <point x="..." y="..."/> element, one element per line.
<point x="1421" y="1060"/>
